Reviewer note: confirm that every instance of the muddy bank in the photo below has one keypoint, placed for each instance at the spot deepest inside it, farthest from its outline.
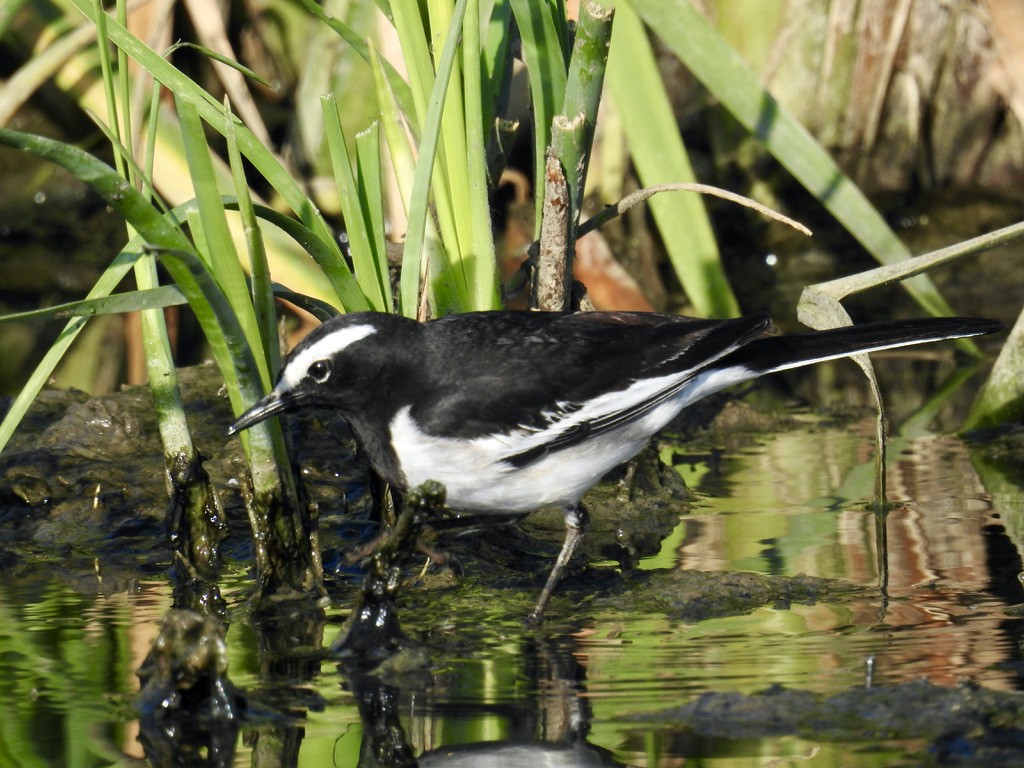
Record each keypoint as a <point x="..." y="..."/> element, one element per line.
<point x="85" y="476"/>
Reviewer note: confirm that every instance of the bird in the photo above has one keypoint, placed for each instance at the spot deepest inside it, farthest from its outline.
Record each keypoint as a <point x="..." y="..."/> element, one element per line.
<point x="512" y="411"/>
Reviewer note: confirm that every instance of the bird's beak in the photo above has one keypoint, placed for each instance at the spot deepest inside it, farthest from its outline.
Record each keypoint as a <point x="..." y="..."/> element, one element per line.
<point x="263" y="409"/>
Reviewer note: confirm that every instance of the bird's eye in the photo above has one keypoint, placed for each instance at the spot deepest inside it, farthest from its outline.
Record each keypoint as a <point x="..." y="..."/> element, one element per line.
<point x="320" y="371"/>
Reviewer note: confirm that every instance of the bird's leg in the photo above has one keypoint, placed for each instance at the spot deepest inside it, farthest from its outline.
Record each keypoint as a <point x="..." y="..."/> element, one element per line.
<point x="576" y="519"/>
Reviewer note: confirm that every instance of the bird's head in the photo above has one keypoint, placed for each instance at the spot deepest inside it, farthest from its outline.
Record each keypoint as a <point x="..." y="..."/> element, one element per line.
<point x="319" y="371"/>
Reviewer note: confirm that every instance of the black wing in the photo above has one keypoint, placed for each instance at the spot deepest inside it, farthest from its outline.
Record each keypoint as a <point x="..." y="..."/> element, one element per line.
<point x="496" y="371"/>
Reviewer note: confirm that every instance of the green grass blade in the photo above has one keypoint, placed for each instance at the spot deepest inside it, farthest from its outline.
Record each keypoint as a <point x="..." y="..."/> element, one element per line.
<point x="421" y="30"/>
<point x="1001" y="400"/>
<point x="222" y="260"/>
<point x="261" y="294"/>
<point x="413" y="254"/>
<point x="411" y="25"/>
<point x="125" y="100"/>
<point x="361" y="239"/>
<point x="660" y="157"/>
<point x="290" y="264"/>
<point x="395" y="125"/>
<point x="226" y="61"/>
<point x="451" y="185"/>
<point x="106" y="69"/>
<point x="371" y="197"/>
<point x="130" y="301"/>
<point x="496" y="63"/>
<point x="76" y="78"/>
<point x="179" y="450"/>
<point x="478" y="258"/>
<point x="542" y="36"/>
<point x="403" y="161"/>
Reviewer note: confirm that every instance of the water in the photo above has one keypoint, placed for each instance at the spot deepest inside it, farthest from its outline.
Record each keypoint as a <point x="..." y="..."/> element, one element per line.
<point x="795" y="502"/>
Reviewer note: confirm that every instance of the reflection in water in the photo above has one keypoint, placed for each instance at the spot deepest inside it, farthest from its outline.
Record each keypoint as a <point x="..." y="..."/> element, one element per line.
<point x="190" y="712"/>
<point x="948" y="552"/>
<point x="546" y="727"/>
<point x="69" y="649"/>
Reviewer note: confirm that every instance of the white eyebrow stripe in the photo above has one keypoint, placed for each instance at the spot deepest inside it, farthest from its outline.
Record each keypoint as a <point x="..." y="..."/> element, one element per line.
<point x="322" y="349"/>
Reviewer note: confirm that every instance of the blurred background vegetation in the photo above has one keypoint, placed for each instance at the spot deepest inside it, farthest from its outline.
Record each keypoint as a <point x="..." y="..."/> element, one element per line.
<point x="917" y="102"/>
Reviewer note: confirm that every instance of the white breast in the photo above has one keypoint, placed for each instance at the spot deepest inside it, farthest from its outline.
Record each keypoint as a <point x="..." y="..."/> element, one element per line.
<point x="478" y="477"/>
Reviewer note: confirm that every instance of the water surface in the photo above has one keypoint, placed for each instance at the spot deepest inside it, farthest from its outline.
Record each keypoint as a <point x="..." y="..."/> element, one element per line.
<point x="795" y="502"/>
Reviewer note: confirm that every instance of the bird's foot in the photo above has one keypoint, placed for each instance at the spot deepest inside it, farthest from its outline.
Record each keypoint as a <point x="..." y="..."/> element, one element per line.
<point x="576" y="521"/>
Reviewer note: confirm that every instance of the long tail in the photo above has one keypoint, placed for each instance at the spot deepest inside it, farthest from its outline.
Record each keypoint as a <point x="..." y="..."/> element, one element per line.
<point x="779" y="353"/>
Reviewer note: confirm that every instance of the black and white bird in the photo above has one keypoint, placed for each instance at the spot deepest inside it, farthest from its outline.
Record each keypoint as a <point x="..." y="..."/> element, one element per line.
<point x="513" y="411"/>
